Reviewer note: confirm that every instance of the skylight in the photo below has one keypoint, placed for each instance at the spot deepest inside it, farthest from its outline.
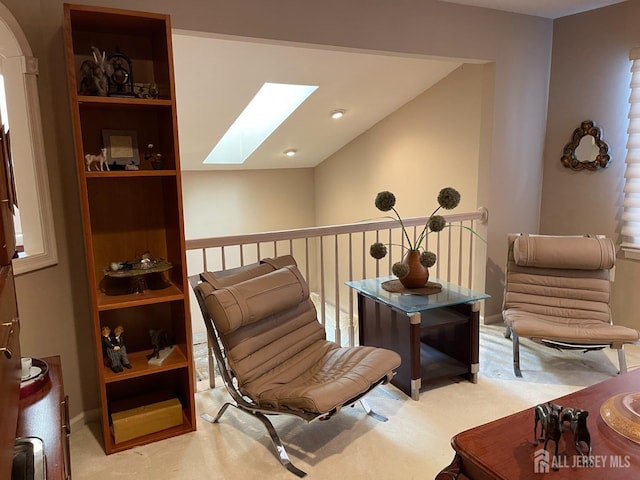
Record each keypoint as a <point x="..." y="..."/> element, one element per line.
<point x="271" y="106"/>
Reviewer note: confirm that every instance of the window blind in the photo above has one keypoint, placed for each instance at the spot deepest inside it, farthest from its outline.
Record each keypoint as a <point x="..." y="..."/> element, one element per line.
<point x="631" y="203"/>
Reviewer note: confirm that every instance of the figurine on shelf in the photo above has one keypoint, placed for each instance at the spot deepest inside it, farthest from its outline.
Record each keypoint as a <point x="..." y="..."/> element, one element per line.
<point x="100" y="160"/>
<point x="160" y="341"/>
<point x="156" y="159"/>
<point x="114" y="349"/>
<point x="95" y="74"/>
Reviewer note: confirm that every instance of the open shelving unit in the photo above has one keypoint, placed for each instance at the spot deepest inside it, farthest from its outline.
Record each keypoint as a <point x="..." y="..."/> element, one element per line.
<point x="127" y="213"/>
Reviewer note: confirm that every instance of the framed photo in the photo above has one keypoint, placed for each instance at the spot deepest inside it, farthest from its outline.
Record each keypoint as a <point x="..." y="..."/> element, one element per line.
<point x="122" y="147"/>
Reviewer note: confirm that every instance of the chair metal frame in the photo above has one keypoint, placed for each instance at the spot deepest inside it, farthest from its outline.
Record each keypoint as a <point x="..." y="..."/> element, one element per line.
<point x="246" y="404"/>
<point x="509" y="333"/>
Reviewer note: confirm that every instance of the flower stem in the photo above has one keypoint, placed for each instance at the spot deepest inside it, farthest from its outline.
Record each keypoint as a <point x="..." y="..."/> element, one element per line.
<point x="404" y="230"/>
<point x="425" y="232"/>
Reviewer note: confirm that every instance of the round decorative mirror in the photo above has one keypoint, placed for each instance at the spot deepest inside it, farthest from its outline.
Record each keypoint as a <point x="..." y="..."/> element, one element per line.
<point x="586" y="150"/>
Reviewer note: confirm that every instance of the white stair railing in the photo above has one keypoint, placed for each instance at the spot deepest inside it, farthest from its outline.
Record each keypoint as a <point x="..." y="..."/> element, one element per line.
<point x="329" y="256"/>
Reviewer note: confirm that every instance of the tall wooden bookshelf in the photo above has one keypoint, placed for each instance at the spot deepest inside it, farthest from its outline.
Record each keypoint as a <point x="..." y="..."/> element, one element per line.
<point x="131" y="212"/>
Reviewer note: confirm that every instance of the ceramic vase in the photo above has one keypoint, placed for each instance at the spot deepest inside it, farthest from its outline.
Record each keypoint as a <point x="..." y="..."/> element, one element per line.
<point x="418" y="274"/>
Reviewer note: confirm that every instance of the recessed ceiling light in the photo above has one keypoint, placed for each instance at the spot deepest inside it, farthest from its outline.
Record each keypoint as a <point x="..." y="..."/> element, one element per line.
<point x="336" y="114"/>
<point x="290" y="153"/>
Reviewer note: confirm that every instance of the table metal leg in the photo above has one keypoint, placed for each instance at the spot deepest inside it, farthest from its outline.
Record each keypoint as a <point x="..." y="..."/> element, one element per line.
<point x="416" y="370"/>
<point x="475" y="368"/>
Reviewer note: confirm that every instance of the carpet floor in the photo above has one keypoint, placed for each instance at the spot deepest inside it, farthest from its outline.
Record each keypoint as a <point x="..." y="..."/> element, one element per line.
<point x="413" y="444"/>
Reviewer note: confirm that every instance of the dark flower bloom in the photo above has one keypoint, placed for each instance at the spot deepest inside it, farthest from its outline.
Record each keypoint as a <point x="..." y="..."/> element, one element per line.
<point x="428" y="259"/>
<point x="378" y="250"/>
<point x="400" y="270"/>
<point x="385" y="201"/>
<point x="448" y="198"/>
<point x="436" y="223"/>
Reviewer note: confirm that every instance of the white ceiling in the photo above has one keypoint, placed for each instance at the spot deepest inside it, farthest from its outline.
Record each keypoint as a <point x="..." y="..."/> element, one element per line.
<point x="216" y="77"/>
<point x="539" y="8"/>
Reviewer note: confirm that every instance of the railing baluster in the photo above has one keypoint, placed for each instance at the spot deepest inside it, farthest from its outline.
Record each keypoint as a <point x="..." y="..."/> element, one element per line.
<point x="351" y="321"/>
<point x="471" y="240"/>
<point x="323" y="299"/>
<point x="364" y="255"/>
<point x="459" y="282"/>
<point x="306" y="258"/>
<point x="336" y="279"/>
<point x="449" y="255"/>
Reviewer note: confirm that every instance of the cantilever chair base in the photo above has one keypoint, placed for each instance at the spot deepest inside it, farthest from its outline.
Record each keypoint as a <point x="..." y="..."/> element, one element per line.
<point x="622" y="361"/>
<point x="280" y="450"/>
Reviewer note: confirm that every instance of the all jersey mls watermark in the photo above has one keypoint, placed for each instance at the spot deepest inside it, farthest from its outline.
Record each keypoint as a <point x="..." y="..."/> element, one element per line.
<point x="543" y="462"/>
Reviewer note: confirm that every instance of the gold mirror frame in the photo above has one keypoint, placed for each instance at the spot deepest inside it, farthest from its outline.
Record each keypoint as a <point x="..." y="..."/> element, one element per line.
<point x="569" y="158"/>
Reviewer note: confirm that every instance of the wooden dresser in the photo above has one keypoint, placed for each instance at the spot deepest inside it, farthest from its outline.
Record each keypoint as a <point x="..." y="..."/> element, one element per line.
<point x="44" y="413"/>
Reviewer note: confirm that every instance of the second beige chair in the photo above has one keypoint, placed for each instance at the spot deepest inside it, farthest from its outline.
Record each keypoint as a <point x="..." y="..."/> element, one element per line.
<point x="557" y="292"/>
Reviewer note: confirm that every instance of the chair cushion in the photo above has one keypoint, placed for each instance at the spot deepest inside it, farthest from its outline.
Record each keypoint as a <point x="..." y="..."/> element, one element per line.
<point x="564" y="329"/>
<point x="323" y="377"/>
<point x="257" y="298"/>
<point x="581" y="253"/>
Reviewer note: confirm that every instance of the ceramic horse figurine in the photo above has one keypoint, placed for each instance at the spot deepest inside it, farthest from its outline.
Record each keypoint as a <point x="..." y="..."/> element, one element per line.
<point x="100" y="160"/>
<point x="548" y="414"/>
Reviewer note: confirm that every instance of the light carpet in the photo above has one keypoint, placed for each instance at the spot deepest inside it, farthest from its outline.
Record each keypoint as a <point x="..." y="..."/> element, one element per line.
<point x="413" y="444"/>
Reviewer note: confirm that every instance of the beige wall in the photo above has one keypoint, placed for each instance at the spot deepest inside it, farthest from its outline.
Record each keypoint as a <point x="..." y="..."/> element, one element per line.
<point x="430" y="143"/>
<point x="54" y="303"/>
<point x="590" y="80"/>
<point x="235" y="202"/>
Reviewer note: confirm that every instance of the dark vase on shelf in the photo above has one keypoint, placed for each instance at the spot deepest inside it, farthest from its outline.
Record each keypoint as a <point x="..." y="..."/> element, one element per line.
<point x="418" y="274"/>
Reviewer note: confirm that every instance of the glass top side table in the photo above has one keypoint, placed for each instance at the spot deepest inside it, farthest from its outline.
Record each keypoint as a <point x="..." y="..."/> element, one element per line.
<point x="436" y="335"/>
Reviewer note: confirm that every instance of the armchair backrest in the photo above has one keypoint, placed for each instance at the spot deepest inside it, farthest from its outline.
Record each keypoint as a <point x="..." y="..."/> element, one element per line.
<point x="559" y="276"/>
<point x="262" y="315"/>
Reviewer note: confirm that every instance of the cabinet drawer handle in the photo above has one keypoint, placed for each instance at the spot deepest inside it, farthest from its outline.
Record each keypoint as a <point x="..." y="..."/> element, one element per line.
<point x="5" y="349"/>
<point x="66" y="425"/>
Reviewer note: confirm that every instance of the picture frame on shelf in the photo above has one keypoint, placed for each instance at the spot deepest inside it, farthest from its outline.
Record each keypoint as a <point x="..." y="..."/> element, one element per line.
<point x="122" y="147"/>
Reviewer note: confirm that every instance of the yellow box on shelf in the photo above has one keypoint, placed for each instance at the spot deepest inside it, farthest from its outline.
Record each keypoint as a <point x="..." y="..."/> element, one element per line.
<point x="146" y="419"/>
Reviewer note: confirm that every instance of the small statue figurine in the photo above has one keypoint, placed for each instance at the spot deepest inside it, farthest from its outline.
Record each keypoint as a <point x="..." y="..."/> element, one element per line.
<point x="552" y="418"/>
<point x="160" y="341"/>
<point x="577" y="419"/>
<point x="95" y="74"/>
<point x="114" y="349"/>
<point x="548" y="414"/>
<point x="100" y="160"/>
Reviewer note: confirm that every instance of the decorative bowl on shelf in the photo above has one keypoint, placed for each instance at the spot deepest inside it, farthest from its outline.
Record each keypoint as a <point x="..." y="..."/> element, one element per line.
<point x="139" y="268"/>
<point x="622" y="413"/>
<point x="145" y="274"/>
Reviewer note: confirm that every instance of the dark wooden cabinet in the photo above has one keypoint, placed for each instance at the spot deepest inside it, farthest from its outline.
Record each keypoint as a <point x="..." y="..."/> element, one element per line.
<point x="45" y="414"/>
<point x="134" y="209"/>
<point x="9" y="369"/>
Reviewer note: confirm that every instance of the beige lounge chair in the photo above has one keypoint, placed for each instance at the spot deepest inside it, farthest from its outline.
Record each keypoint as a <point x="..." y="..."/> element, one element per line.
<point x="272" y="352"/>
<point x="557" y="292"/>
